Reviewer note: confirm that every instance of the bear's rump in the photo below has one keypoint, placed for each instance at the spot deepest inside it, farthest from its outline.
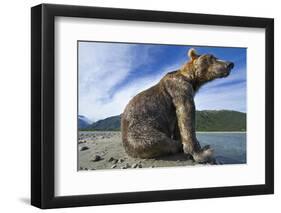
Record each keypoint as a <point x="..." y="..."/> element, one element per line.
<point x="147" y="141"/>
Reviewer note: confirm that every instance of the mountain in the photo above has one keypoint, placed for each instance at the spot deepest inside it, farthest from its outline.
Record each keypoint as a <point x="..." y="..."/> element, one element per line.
<point x="206" y="120"/>
<point x="108" y="124"/>
<point x="83" y="122"/>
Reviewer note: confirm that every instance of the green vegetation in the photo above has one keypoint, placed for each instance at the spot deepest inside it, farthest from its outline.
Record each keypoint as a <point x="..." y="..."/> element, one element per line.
<point x="221" y="120"/>
<point x="206" y="120"/>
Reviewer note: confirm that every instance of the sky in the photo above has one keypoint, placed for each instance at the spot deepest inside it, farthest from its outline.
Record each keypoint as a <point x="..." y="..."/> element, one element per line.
<point x="110" y="74"/>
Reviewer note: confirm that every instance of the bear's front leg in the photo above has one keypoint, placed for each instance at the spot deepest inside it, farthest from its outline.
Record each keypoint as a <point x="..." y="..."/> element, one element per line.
<point x="185" y="110"/>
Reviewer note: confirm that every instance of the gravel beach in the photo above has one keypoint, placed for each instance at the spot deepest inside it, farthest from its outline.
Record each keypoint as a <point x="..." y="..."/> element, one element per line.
<point x="104" y="150"/>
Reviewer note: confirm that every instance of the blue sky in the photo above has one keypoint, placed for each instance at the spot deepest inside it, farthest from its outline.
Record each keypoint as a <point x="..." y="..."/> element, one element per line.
<point x="110" y="74"/>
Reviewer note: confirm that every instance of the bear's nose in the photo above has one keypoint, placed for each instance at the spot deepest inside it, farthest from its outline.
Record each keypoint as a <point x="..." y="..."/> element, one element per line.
<point x="230" y="65"/>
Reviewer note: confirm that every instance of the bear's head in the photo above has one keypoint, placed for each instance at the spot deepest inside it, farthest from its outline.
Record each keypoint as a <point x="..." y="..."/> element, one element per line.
<point x="204" y="68"/>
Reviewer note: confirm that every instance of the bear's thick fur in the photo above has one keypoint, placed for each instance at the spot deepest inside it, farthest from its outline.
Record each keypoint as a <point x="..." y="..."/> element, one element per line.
<point x="161" y="119"/>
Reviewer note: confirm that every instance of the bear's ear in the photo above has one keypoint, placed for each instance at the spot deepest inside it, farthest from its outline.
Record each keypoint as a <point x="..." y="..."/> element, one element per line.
<point x="192" y="53"/>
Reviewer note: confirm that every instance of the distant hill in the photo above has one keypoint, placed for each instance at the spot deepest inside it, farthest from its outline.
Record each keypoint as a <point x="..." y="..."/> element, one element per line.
<point x="206" y="120"/>
<point x="83" y="122"/>
<point x="107" y="124"/>
<point x="220" y="120"/>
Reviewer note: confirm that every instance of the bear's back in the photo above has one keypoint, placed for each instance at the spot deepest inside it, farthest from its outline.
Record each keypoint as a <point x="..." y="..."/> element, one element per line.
<point x="151" y="104"/>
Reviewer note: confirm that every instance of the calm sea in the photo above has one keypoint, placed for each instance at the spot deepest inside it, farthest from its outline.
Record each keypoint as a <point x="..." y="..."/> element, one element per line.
<point x="230" y="148"/>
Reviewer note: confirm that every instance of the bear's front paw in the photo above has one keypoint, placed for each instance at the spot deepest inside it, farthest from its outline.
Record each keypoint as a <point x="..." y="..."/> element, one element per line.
<point x="205" y="155"/>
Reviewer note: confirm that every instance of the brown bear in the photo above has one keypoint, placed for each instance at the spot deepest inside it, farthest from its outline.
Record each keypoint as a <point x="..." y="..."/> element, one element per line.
<point x="161" y="119"/>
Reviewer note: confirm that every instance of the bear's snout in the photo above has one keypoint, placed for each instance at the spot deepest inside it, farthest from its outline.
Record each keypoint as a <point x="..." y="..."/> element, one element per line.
<point x="230" y="65"/>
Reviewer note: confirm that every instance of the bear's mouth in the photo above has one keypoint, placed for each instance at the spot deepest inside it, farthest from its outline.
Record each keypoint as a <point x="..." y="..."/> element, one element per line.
<point x="225" y="74"/>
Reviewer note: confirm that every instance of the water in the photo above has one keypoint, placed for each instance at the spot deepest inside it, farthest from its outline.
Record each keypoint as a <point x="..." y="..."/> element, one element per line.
<point x="230" y="148"/>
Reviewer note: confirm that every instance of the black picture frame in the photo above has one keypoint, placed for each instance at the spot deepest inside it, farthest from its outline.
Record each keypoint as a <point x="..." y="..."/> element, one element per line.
<point x="43" y="102"/>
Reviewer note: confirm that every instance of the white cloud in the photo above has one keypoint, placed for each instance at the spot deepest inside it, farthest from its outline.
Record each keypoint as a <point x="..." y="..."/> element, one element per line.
<point x="101" y="67"/>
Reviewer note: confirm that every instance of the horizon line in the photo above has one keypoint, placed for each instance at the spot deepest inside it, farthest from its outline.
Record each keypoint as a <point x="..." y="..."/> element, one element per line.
<point x="195" y="110"/>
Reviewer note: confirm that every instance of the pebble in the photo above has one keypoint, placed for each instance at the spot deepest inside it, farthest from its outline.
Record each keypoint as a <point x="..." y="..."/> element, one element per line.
<point x="96" y="158"/>
<point x="127" y="165"/>
<point x="83" y="148"/>
<point x="120" y="160"/>
<point x="111" y="159"/>
<point x="135" y="165"/>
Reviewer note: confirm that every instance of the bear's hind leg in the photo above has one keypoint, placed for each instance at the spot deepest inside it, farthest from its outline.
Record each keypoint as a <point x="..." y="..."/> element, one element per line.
<point x="155" y="144"/>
